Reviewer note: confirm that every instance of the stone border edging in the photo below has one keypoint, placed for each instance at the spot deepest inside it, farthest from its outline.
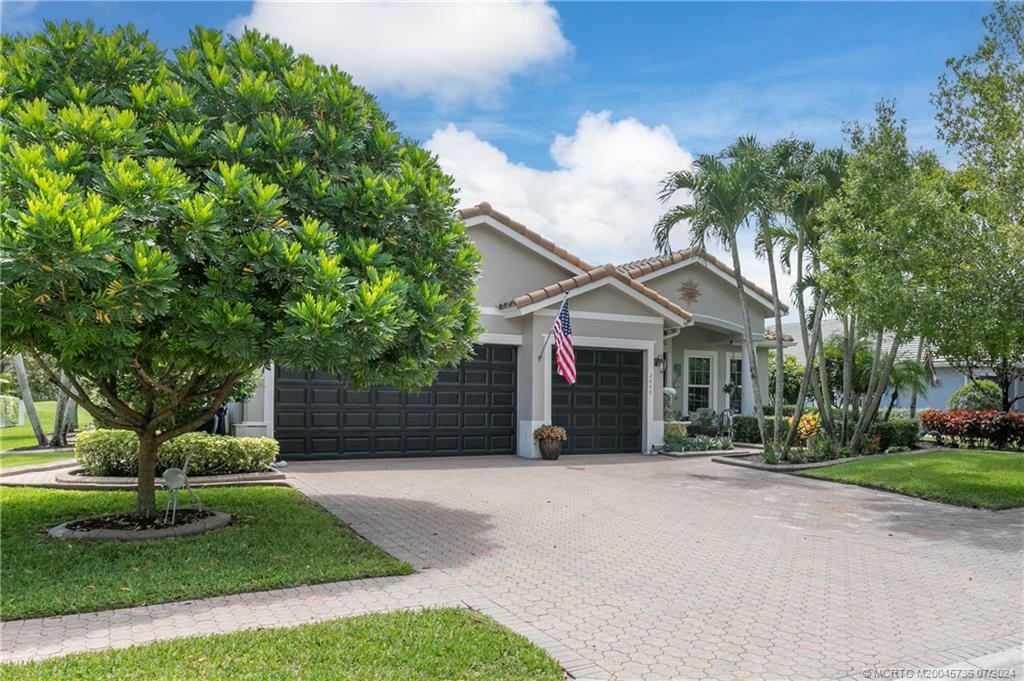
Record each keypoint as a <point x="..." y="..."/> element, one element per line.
<point x="213" y="522"/>
<point x="789" y="467"/>
<point x="36" y="467"/>
<point x="71" y="480"/>
<point x="735" y="451"/>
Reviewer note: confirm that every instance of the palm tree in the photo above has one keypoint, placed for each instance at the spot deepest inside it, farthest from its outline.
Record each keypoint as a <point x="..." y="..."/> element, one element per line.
<point x="906" y="375"/>
<point x="723" y="193"/>
<point x="821" y="178"/>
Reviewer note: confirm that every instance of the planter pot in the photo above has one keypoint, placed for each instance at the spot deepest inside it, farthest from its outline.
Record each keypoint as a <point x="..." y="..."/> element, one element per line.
<point x="550" y="449"/>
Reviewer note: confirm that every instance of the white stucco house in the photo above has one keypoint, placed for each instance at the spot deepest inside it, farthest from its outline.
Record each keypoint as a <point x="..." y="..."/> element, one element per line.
<point x="631" y="323"/>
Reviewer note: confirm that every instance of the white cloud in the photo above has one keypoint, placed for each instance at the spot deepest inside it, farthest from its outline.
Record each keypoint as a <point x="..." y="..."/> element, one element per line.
<point x="450" y="51"/>
<point x="599" y="202"/>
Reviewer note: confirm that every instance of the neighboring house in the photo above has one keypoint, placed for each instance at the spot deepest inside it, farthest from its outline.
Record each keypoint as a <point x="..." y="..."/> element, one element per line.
<point x="630" y="322"/>
<point x="948" y="378"/>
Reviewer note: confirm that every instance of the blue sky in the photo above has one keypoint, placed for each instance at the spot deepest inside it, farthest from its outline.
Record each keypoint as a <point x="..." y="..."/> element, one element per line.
<point x="567" y="115"/>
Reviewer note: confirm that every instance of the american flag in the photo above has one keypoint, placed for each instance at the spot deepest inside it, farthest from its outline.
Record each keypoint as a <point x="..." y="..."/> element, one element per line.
<point x="561" y="333"/>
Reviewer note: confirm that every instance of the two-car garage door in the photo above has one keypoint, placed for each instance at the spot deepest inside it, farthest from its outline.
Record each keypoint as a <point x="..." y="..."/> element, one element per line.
<point x="470" y="409"/>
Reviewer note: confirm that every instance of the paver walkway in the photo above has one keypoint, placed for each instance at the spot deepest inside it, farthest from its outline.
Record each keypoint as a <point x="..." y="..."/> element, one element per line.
<point x="632" y="567"/>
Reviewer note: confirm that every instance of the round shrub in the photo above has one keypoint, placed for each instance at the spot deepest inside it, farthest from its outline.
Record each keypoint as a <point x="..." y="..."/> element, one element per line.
<point x="976" y="396"/>
<point x="115" y="453"/>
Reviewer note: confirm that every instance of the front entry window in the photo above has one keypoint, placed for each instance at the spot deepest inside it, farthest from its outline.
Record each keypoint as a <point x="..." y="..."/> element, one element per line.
<point x="736" y="379"/>
<point x="698" y="383"/>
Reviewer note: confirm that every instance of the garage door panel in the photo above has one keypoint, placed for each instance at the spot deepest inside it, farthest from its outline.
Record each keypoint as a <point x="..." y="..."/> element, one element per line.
<point x="470" y="409"/>
<point x="603" y="411"/>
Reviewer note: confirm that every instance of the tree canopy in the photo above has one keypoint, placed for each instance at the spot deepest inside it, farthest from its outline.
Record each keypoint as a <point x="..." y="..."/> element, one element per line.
<point x="171" y="222"/>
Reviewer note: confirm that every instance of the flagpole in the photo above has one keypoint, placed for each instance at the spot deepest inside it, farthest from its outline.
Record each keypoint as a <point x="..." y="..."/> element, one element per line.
<point x="548" y="337"/>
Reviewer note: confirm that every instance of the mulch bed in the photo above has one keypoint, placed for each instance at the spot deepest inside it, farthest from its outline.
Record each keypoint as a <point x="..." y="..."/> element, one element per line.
<point x="130" y="521"/>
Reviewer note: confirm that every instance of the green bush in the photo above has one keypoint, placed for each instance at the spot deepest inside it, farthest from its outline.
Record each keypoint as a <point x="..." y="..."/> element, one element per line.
<point x="819" y="448"/>
<point x="10" y="409"/>
<point x="744" y="428"/>
<point x="115" y="452"/>
<point x="895" y="433"/>
<point x="976" y="396"/>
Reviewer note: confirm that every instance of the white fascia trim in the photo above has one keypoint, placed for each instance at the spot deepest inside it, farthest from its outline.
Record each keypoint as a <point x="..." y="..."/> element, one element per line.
<point x="716" y="321"/>
<point x="650" y="429"/>
<point x="711" y="268"/>
<point x="607" y="317"/>
<point x="606" y="281"/>
<point x="501" y="338"/>
<point x="522" y="240"/>
<point x="491" y="311"/>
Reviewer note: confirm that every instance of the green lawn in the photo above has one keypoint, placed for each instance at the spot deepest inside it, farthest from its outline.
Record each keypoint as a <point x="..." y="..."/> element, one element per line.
<point x="278" y="538"/>
<point x="983" y="479"/>
<point x="12" y="460"/>
<point x="422" y="645"/>
<point x="21" y="436"/>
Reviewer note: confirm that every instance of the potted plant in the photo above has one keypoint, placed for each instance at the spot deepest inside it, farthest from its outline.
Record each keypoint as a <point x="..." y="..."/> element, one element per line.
<point x="549" y="439"/>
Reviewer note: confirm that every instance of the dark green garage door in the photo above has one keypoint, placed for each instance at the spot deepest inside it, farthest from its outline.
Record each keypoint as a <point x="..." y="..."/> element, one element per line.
<point x="603" y="411"/>
<point x="470" y="409"/>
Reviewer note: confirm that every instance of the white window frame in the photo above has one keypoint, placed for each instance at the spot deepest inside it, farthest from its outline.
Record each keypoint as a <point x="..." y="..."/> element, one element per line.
<point x="712" y="393"/>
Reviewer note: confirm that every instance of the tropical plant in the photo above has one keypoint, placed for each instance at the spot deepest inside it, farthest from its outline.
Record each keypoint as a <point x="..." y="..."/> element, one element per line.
<point x="792" y="373"/>
<point x="171" y="223"/>
<point x="907" y="375"/>
<point x="723" y="193"/>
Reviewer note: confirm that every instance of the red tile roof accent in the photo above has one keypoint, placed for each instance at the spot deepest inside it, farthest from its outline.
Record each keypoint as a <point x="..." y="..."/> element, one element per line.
<point x="486" y="209"/>
<point x="591" y="275"/>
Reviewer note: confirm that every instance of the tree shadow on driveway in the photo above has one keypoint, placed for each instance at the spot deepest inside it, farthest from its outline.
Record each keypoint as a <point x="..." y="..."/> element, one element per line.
<point x="423" y="533"/>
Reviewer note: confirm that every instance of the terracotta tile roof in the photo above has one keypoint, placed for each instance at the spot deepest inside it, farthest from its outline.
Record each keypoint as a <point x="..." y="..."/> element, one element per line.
<point x="638" y="268"/>
<point x="486" y="209"/>
<point x="591" y="275"/>
<point x="769" y="335"/>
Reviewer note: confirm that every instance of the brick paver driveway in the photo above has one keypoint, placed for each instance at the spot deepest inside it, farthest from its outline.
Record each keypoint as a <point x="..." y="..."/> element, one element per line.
<point x="665" y="568"/>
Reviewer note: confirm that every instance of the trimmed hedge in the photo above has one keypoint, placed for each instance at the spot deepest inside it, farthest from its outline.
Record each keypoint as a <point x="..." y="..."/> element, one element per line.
<point x="901" y="433"/>
<point x="976" y="396"/>
<point x="744" y="428"/>
<point x="976" y="428"/>
<point x="10" y="410"/>
<point x="115" y="453"/>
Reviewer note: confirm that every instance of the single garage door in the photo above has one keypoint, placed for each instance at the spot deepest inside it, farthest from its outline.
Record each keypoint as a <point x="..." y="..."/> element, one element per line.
<point x="470" y="409"/>
<point x="603" y="411"/>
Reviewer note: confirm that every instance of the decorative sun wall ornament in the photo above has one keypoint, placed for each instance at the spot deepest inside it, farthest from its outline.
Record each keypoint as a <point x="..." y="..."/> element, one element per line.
<point x="689" y="291"/>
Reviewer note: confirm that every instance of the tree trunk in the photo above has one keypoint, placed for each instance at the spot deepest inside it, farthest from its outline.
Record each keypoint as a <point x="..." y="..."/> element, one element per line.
<point x="779" y="364"/>
<point x="26" y="397"/>
<point x="810" y="348"/>
<point x="145" y="503"/>
<point x="58" y="439"/>
<point x="913" y="393"/>
<point x="874" y="397"/>
<point x="751" y="351"/>
<point x="892" y="400"/>
<point x="849" y="343"/>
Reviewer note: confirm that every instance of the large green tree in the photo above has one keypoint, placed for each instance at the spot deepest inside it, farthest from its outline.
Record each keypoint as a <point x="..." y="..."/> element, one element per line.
<point x="172" y="222"/>
<point x="887" y="250"/>
<point x="979" y="325"/>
